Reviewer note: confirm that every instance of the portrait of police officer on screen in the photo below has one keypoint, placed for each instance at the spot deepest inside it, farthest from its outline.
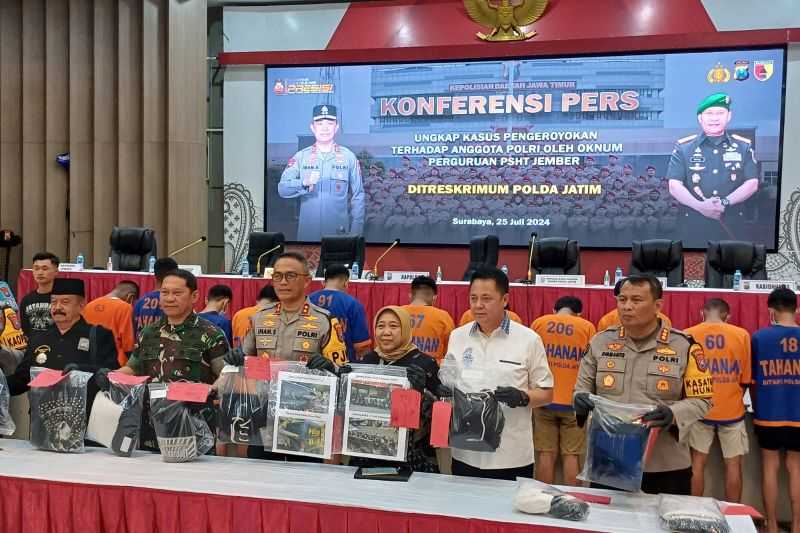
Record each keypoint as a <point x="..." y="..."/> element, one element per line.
<point x="713" y="173"/>
<point x="326" y="177"/>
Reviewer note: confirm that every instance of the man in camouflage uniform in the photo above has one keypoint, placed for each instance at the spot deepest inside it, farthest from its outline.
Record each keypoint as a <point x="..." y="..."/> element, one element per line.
<point x="643" y="361"/>
<point x="713" y="172"/>
<point x="180" y="346"/>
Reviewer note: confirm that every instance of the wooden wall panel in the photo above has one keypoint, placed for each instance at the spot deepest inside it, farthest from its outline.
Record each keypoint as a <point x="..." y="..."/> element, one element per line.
<point x="81" y="122"/>
<point x="105" y="127"/>
<point x="186" y="127"/>
<point x="121" y="86"/>
<point x="154" y="116"/>
<point x="129" y="102"/>
<point x="56" y="109"/>
<point x="34" y="195"/>
<point x="11" y="119"/>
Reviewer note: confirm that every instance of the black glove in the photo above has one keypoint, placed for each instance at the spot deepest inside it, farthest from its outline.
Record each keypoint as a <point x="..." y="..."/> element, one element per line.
<point x="101" y="379"/>
<point x="318" y="362"/>
<point x="512" y="397"/>
<point x="417" y="376"/>
<point x="443" y="391"/>
<point x="660" y="417"/>
<point x="583" y="405"/>
<point x="69" y="367"/>
<point x="234" y="357"/>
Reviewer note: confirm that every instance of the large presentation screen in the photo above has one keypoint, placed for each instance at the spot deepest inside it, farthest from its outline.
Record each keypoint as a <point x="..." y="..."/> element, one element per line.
<point x="605" y="150"/>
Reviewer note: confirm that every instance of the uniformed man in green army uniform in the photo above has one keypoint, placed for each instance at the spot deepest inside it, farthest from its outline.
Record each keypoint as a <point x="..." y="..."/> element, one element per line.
<point x="712" y="173"/>
<point x="645" y="362"/>
<point x="180" y="346"/>
<point x="327" y="178"/>
<point x="294" y="329"/>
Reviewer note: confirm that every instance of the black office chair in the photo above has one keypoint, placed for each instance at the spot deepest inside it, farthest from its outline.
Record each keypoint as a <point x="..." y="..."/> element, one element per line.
<point x="724" y="258"/>
<point x="556" y="255"/>
<point x="341" y="249"/>
<point x="484" y="250"/>
<point x="261" y="242"/>
<point x="660" y="257"/>
<point x="131" y="248"/>
<point x="8" y="240"/>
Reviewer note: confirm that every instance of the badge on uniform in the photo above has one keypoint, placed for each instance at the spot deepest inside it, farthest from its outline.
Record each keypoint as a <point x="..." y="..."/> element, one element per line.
<point x="731" y="156"/>
<point x="610" y="364"/>
<point x="83" y="344"/>
<point x="615" y="346"/>
<point x="608" y="381"/>
<point x="41" y="354"/>
<point x="695" y="178"/>
<point x="696" y="351"/>
<point x="662" y="385"/>
<point x="664" y="369"/>
<point x="468" y="358"/>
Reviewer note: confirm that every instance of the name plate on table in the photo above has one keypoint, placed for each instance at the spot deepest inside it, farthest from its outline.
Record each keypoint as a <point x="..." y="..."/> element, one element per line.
<point x="767" y="284"/>
<point x="70" y="267"/>
<point x="402" y="275"/>
<point x="197" y="270"/>
<point x="561" y="279"/>
<point x="663" y="282"/>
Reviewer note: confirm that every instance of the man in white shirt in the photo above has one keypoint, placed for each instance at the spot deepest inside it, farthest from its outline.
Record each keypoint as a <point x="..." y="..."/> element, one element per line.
<point x="497" y="354"/>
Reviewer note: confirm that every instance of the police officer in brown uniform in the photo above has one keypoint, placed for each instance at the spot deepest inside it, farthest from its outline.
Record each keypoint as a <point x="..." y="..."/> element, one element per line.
<point x="642" y="361"/>
<point x="294" y="329"/>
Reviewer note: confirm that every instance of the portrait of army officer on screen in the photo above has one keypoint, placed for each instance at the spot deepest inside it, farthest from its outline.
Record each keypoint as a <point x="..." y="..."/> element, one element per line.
<point x="327" y="178"/>
<point x="711" y="173"/>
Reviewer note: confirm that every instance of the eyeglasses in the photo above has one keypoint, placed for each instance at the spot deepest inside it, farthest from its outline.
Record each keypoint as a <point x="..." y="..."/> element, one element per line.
<point x="288" y="276"/>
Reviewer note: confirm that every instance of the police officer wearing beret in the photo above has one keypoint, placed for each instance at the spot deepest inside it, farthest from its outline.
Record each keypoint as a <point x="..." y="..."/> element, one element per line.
<point x="712" y="172"/>
<point x="645" y="361"/>
<point x="327" y="179"/>
<point x="70" y="343"/>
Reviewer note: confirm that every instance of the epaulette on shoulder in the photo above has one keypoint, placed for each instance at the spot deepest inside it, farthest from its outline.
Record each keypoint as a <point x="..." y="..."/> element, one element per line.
<point x="742" y="139"/>
<point x="319" y="309"/>
<point x="614" y="328"/>
<point x="686" y="139"/>
<point x="683" y="334"/>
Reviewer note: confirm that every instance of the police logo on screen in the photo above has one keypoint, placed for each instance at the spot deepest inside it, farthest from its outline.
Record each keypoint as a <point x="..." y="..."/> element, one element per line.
<point x="741" y="70"/>
<point x="718" y="74"/>
<point x="762" y="70"/>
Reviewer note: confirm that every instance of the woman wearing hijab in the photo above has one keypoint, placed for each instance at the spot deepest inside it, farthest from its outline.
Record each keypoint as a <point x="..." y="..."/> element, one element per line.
<point x="393" y="346"/>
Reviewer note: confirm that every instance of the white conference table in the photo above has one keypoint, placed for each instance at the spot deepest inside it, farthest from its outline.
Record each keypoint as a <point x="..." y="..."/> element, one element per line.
<point x="437" y="496"/>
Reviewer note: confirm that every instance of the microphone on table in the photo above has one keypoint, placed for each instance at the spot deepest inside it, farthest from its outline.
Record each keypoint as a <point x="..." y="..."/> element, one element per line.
<point x="190" y="245"/>
<point x="260" y="257"/>
<point x="529" y="279"/>
<point x="373" y="274"/>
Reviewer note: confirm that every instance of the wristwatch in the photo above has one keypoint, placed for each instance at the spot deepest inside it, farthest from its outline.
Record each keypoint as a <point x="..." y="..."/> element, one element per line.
<point x="725" y="202"/>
